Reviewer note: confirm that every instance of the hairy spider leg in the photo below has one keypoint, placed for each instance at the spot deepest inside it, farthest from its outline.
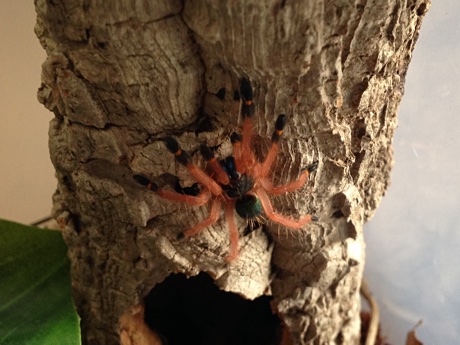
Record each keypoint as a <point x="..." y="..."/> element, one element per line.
<point x="213" y="217"/>
<point x="279" y="127"/>
<point x="197" y="200"/>
<point x="265" y="167"/>
<point x="208" y="155"/>
<point x="247" y="154"/>
<point x="235" y="138"/>
<point x="247" y="113"/>
<point x="233" y="230"/>
<point x="279" y="218"/>
<point x="289" y="187"/>
<point x="184" y="158"/>
<point x="204" y="179"/>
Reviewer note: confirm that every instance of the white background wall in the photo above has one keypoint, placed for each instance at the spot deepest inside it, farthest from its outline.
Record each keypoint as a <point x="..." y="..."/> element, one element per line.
<point x="413" y="242"/>
<point x="26" y="175"/>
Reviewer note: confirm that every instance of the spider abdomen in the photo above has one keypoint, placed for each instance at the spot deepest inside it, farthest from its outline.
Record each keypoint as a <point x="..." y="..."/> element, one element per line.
<point x="248" y="206"/>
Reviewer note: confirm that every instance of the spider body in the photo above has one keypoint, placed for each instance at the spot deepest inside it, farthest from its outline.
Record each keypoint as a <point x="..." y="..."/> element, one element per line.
<point x="247" y="205"/>
<point x="237" y="183"/>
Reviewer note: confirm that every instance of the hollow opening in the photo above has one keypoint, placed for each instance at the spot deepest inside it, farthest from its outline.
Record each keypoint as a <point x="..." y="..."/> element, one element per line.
<point x="194" y="311"/>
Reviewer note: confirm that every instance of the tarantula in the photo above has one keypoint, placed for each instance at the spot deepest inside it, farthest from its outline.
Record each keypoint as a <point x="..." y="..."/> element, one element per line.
<point x="238" y="182"/>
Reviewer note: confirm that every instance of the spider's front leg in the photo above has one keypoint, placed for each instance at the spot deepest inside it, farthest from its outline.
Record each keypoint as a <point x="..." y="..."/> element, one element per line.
<point x="244" y="157"/>
<point x="184" y="158"/>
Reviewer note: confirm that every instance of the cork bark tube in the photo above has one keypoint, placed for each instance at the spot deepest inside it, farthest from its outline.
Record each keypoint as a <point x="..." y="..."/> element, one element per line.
<point x="120" y="76"/>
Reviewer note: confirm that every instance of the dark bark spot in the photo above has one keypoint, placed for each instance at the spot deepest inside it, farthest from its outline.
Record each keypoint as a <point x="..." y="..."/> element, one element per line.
<point x="221" y="93"/>
<point x="338" y="214"/>
<point x="76" y="222"/>
<point x="236" y="96"/>
<point x="203" y="124"/>
<point x="421" y="10"/>
<point x="357" y="92"/>
<point x="354" y="169"/>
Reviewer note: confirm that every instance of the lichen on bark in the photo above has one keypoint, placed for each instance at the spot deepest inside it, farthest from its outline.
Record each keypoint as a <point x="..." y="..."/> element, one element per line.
<point x="119" y="76"/>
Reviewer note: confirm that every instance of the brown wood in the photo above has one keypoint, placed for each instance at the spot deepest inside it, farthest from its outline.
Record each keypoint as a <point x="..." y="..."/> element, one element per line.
<point x="120" y="75"/>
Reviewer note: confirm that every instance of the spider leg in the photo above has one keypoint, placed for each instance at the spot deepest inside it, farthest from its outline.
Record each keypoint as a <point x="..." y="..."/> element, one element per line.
<point x="289" y="187"/>
<point x="247" y="112"/>
<point x="184" y="158"/>
<point x="208" y="155"/>
<point x="229" y="215"/>
<point x="279" y="218"/>
<point x="247" y="155"/>
<point x="247" y="97"/>
<point x="285" y="188"/>
<point x="144" y="181"/>
<point x="235" y="138"/>
<point x="279" y="126"/>
<point x="242" y="149"/>
<point x="213" y="216"/>
<point x="197" y="200"/>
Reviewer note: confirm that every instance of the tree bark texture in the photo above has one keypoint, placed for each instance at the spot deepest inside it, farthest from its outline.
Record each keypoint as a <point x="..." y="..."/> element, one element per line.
<point x="121" y="75"/>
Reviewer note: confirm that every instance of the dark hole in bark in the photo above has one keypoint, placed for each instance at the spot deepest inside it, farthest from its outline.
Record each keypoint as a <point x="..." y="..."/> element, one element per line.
<point x="194" y="311"/>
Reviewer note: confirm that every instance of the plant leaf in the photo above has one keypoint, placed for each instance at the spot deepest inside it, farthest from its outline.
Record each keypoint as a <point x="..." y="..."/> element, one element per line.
<point x="35" y="301"/>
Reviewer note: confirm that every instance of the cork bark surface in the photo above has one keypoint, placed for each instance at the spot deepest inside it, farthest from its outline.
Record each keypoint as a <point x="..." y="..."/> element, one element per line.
<point x="121" y="75"/>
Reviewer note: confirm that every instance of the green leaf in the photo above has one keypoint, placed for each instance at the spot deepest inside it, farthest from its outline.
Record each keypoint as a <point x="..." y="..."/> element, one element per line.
<point x="35" y="302"/>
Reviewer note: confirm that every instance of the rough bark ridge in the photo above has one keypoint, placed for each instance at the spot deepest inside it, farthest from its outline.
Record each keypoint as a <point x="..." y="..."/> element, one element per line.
<point x="119" y="75"/>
